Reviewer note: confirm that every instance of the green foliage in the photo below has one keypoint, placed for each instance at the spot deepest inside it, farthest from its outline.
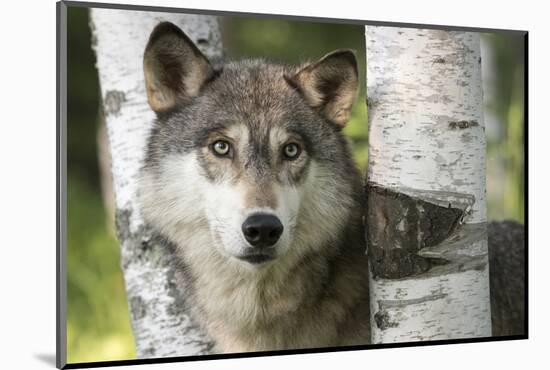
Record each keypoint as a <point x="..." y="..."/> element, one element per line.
<point x="505" y="159"/>
<point x="98" y="323"/>
<point x="83" y="97"/>
<point x="356" y="131"/>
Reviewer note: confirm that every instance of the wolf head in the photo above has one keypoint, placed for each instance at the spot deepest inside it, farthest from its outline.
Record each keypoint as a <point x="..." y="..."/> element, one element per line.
<point x="247" y="163"/>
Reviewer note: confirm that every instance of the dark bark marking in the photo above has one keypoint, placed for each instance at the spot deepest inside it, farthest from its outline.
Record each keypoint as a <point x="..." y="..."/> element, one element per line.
<point x="148" y="352"/>
<point x="439" y="60"/>
<point x="463" y="124"/>
<point x="138" y="307"/>
<point x="122" y="220"/>
<point x="113" y="101"/>
<point x="371" y="103"/>
<point x="141" y="243"/>
<point x="382" y="320"/>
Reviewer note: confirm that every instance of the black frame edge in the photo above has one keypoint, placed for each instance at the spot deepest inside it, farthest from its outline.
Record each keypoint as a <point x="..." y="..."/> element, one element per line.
<point x="164" y="360"/>
<point x="526" y="175"/>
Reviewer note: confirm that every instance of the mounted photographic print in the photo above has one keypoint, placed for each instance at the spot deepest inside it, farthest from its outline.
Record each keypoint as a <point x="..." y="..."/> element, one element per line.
<point x="262" y="184"/>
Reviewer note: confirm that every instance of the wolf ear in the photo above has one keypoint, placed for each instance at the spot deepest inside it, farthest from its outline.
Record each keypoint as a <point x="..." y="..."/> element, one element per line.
<point x="174" y="67"/>
<point x="330" y="85"/>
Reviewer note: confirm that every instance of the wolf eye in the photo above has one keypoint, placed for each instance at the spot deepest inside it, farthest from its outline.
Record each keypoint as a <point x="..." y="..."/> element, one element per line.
<point x="221" y="148"/>
<point x="291" y="151"/>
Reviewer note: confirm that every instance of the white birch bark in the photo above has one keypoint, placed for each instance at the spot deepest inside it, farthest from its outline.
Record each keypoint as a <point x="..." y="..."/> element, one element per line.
<point x="160" y="320"/>
<point x="426" y="213"/>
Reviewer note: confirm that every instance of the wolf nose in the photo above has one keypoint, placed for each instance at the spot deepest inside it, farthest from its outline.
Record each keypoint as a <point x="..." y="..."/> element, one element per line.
<point x="262" y="230"/>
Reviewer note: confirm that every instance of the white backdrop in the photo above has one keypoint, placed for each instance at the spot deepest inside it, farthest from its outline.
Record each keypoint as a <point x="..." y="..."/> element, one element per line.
<point x="27" y="154"/>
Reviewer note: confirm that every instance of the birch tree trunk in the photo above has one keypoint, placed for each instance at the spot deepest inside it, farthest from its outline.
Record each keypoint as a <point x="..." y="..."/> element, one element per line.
<point x="426" y="217"/>
<point x="160" y="319"/>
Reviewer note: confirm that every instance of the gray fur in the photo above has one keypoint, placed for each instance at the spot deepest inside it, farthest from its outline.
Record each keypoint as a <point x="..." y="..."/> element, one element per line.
<point x="316" y="294"/>
<point x="507" y="277"/>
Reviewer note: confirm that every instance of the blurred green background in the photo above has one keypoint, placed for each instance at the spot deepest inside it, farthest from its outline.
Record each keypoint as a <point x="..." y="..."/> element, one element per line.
<point x="99" y="326"/>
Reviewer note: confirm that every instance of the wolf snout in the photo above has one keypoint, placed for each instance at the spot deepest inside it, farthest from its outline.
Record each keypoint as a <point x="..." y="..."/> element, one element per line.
<point x="262" y="230"/>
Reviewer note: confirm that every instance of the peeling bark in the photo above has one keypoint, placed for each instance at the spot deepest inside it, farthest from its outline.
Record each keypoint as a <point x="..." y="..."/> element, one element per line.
<point x="160" y="318"/>
<point x="403" y="227"/>
<point x="426" y="212"/>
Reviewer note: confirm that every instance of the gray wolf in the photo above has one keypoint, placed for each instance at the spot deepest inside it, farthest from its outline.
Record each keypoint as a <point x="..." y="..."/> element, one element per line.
<point x="240" y="164"/>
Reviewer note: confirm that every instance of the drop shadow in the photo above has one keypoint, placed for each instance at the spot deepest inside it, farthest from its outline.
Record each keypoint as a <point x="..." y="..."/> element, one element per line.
<point x="47" y="358"/>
